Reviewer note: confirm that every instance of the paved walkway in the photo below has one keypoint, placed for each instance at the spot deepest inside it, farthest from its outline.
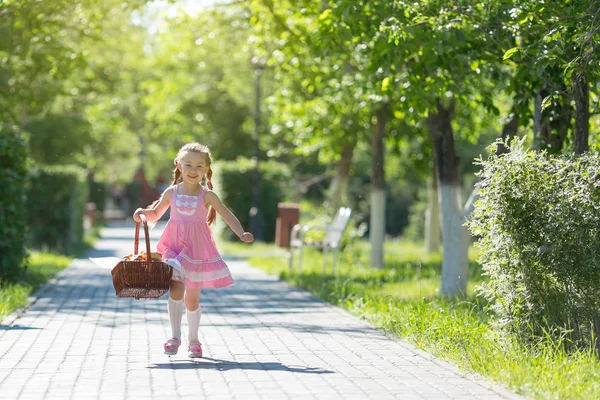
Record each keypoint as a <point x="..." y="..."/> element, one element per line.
<point x="262" y="340"/>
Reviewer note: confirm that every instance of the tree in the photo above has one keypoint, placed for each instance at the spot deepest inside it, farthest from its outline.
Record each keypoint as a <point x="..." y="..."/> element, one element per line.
<point x="437" y="58"/>
<point x="61" y="62"/>
<point x="200" y="85"/>
<point x="557" y="48"/>
<point x="336" y="101"/>
<point x="39" y="50"/>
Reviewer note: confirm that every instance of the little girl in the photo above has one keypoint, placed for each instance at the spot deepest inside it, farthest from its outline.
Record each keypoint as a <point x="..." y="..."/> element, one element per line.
<point x="187" y="239"/>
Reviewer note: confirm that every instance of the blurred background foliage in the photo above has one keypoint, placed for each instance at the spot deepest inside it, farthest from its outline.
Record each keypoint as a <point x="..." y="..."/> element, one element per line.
<point x="112" y="87"/>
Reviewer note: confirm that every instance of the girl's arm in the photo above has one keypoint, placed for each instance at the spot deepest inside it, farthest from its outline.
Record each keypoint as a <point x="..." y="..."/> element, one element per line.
<point x="211" y="199"/>
<point x="156" y="209"/>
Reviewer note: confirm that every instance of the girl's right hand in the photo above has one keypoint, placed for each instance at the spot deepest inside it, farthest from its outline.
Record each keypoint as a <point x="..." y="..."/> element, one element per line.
<point x="136" y="215"/>
<point x="247" y="237"/>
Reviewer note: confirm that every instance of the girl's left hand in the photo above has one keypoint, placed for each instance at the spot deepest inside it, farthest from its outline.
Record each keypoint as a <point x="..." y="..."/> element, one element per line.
<point x="247" y="237"/>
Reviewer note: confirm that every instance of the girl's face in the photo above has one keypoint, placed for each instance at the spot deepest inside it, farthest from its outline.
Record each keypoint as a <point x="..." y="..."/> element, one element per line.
<point x="193" y="167"/>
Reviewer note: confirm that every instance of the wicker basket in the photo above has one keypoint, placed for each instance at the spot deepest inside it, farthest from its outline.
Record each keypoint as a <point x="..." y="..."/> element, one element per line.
<point x="141" y="279"/>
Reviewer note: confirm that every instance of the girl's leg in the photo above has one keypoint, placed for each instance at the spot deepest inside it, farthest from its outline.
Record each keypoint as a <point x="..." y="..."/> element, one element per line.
<point x="192" y="299"/>
<point x="192" y="303"/>
<point x="175" y="308"/>
<point x="176" y="290"/>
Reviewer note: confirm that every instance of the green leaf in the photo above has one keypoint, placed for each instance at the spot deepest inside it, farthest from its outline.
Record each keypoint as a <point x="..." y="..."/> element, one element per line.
<point x="385" y="84"/>
<point x="546" y="102"/>
<point x="325" y="17"/>
<point x="510" y="52"/>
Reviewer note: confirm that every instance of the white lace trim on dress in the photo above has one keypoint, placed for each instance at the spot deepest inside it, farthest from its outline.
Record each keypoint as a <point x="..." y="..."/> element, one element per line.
<point x="212" y="260"/>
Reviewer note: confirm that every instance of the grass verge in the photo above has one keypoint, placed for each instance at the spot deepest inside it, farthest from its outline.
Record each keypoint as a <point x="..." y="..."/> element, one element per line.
<point x="42" y="266"/>
<point x="403" y="300"/>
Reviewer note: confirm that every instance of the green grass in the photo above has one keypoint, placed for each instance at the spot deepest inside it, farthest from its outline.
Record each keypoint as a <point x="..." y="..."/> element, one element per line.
<point x="403" y="299"/>
<point x="239" y="249"/>
<point x="42" y="267"/>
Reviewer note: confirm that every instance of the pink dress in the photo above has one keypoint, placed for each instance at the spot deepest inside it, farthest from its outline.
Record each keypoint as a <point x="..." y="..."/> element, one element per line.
<point x="187" y="238"/>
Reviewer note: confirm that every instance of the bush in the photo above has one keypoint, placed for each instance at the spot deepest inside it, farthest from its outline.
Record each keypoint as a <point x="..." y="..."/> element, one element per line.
<point x="234" y="180"/>
<point x="56" y="200"/>
<point x="538" y="220"/>
<point x="13" y="172"/>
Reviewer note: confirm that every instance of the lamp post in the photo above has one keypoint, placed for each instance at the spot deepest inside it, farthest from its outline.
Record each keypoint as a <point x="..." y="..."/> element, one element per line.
<point x="256" y="214"/>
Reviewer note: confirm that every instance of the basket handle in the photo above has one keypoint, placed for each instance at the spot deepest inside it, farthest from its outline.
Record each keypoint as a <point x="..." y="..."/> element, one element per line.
<point x="137" y="240"/>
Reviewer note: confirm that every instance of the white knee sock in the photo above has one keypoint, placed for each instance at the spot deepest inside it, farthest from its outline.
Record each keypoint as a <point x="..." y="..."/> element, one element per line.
<point x="193" y="318"/>
<point x="175" y="308"/>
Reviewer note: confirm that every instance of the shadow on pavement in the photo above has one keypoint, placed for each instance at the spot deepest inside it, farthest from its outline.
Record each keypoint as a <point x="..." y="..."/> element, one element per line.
<point x="128" y="238"/>
<point x="224" y="365"/>
<point x="103" y="253"/>
<point x="91" y="291"/>
<point x="296" y="327"/>
<point x="17" y="327"/>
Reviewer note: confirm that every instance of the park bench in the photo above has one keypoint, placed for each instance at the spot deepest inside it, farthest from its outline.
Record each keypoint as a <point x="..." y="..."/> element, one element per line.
<point x="331" y="241"/>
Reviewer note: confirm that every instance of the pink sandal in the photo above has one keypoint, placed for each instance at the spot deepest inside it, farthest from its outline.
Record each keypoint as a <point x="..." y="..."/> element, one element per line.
<point x="171" y="346"/>
<point x="194" y="350"/>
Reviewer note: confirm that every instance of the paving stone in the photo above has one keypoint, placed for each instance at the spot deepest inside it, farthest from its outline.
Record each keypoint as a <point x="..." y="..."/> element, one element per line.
<point x="262" y="339"/>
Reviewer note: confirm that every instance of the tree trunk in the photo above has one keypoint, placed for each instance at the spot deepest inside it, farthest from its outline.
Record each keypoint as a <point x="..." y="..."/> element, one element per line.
<point x="582" y="113"/>
<point x="509" y="131"/>
<point x="433" y="234"/>
<point x="454" y="234"/>
<point x="338" y="194"/>
<point x="561" y="122"/>
<point x="555" y="122"/>
<point x="545" y="139"/>
<point x="377" y="226"/>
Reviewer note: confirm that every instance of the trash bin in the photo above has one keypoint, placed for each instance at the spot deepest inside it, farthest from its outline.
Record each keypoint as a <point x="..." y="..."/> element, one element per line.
<point x="289" y="215"/>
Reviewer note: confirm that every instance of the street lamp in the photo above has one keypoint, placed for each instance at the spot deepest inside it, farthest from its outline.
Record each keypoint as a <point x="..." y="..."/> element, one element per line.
<point x="256" y="215"/>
